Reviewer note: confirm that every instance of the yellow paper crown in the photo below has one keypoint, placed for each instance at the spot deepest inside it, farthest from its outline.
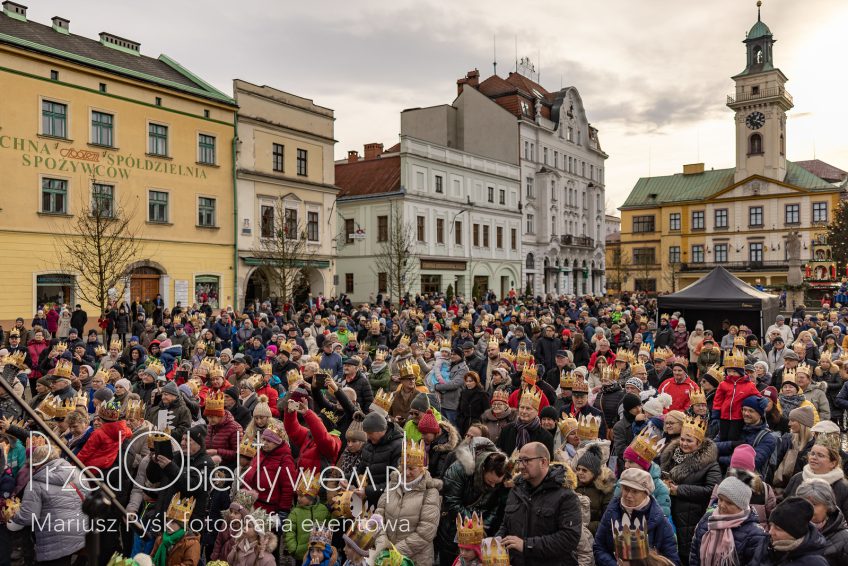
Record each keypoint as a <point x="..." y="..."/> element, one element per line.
<point x="55" y="408"/>
<point x="470" y="531"/>
<point x="100" y="350"/>
<point x="636" y="367"/>
<point x="409" y="368"/>
<point x="610" y="374"/>
<point x="739" y="341"/>
<point x="16" y="358"/>
<point x="266" y="367"/>
<point x="347" y="503"/>
<point x="207" y="363"/>
<point x="308" y="485"/>
<point x="384" y="400"/>
<point x="825" y="356"/>
<point x="716" y="372"/>
<point x="134" y="409"/>
<point x="215" y="401"/>
<point x="567" y="426"/>
<point x="830" y="441"/>
<point x="180" y="510"/>
<point x="414" y="453"/>
<point x="246" y="448"/>
<point x="789" y="376"/>
<point x="154" y="364"/>
<point x="380" y="355"/>
<point x="493" y="341"/>
<point x="645" y="348"/>
<point x="60" y="347"/>
<point x="523" y="356"/>
<point x="588" y="427"/>
<point x="445" y="344"/>
<point x="404" y="340"/>
<point x="286" y="347"/>
<point x="500" y="395"/>
<point x="10" y="508"/>
<point x="508" y="356"/>
<point x="630" y="539"/>
<point x="217" y="370"/>
<point x="529" y="374"/>
<point x="201" y="345"/>
<point x="566" y="379"/>
<point x="734" y="359"/>
<point x="293" y="377"/>
<point x="115" y="345"/>
<point x="695" y="427"/>
<point x="532" y="397"/>
<point x="624" y="355"/>
<point x="804" y="368"/>
<point x="375" y="325"/>
<point x="663" y="354"/>
<point x="433" y="346"/>
<point x="494" y="553"/>
<point x="64" y="368"/>
<point x="363" y="531"/>
<point x="696" y="396"/>
<point x="648" y="443"/>
<point x="580" y="384"/>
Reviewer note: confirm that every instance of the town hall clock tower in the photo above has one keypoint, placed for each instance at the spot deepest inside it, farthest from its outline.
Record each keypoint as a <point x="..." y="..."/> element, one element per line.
<point x="760" y="103"/>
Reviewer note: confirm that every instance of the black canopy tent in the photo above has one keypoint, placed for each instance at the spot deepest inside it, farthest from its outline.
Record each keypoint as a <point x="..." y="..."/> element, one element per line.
<point x="720" y="295"/>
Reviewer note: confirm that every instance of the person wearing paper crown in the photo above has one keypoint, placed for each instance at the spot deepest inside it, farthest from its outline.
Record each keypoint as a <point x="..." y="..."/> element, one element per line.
<point x="641" y="453"/>
<point x="308" y="511"/>
<point x="177" y="545"/>
<point x="360" y="538"/>
<point x="729" y="396"/>
<point x="101" y="449"/>
<point x="755" y="433"/>
<point x="527" y="427"/>
<point x="470" y="535"/>
<point x="530" y="379"/>
<point x="679" y="386"/>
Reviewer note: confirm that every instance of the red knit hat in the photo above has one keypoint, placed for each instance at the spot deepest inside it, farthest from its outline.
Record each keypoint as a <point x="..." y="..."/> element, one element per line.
<point x="632" y="456"/>
<point x="427" y="423"/>
<point x="744" y="458"/>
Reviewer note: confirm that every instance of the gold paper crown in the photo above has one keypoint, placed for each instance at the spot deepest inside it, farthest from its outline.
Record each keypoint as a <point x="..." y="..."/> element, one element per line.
<point x="445" y="344"/>
<point x="308" y="485"/>
<point x="789" y="376"/>
<point x="648" y="443"/>
<point x="101" y="374"/>
<point x="500" y="395"/>
<point x="180" y="510"/>
<point x="529" y="374"/>
<point x="408" y="368"/>
<point x="109" y="411"/>
<point x="825" y="356"/>
<point x="215" y="401"/>
<point x="380" y="355"/>
<point x="523" y="356"/>
<point x="716" y="372"/>
<point x="320" y="537"/>
<point x="115" y="345"/>
<point x="56" y="408"/>
<point x="286" y="346"/>
<point x="464" y="325"/>
<point x="346" y="503"/>
<point x="433" y="346"/>
<point x="567" y="426"/>
<point x="580" y="384"/>
<point x="630" y="539"/>
<point x="645" y="348"/>
<point x="470" y="531"/>
<point x="494" y="553"/>
<point x="804" y="368"/>
<point x="207" y="363"/>
<point x="696" y="396"/>
<point x="566" y="379"/>
<point x="734" y="359"/>
<point x="531" y="396"/>
<point x="266" y="367"/>
<point x="375" y="325"/>
<point x="624" y="355"/>
<point x="64" y="368"/>
<point x="201" y="345"/>
<point x="493" y="341"/>
<point x="100" y="350"/>
<point x="663" y="354"/>
<point x="60" y="347"/>
<point x="293" y="376"/>
<point x="830" y="441"/>
<point x="10" y="508"/>
<point x="404" y="340"/>
<point x="134" y="409"/>
<point x="414" y="453"/>
<point x="217" y="370"/>
<point x="843" y="357"/>
<point x="695" y="427"/>
<point x="508" y="356"/>
<point x="384" y="400"/>
<point x="156" y="365"/>
<point x="664" y="316"/>
<point x="14" y="333"/>
<point x="363" y="531"/>
<point x="739" y="341"/>
<point x="588" y="427"/>
<point x="636" y="367"/>
<point x="16" y="358"/>
<point x="610" y="373"/>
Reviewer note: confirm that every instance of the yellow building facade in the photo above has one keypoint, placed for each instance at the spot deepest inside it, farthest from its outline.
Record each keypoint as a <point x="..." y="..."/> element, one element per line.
<point x="81" y="116"/>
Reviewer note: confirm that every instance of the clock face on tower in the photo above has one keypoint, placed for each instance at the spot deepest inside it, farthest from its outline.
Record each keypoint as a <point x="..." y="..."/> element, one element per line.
<point x="755" y="120"/>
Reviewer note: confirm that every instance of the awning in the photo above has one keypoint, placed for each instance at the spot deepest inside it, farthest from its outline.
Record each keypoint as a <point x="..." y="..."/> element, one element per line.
<point x="207" y="279"/>
<point x="299" y="263"/>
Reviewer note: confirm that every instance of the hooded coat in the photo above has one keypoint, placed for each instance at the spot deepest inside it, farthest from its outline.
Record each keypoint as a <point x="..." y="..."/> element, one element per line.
<point x="269" y="475"/>
<point x="224" y="437"/>
<point x="317" y="448"/>
<point x="101" y="449"/>
<point x="660" y="533"/>
<point x="599" y="493"/>
<point x="441" y="450"/>
<point x="415" y="510"/>
<point x="377" y="458"/>
<point x="809" y="553"/>
<point x="835" y="533"/>
<point x="816" y="393"/>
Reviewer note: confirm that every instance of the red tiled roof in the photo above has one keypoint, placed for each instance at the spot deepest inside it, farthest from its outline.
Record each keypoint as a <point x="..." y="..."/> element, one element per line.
<point x="369" y="177"/>
<point x="394" y="149"/>
<point x="527" y="85"/>
<point x="613" y="237"/>
<point x="495" y="86"/>
<point x="823" y="170"/>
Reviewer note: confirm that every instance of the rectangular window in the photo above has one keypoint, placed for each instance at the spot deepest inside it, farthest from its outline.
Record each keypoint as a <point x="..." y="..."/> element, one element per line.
<point x="157" y="206"/>
<point x="302" y="157"/>
<point x="291" y="223"/>
<point x="793" y="214"/>
<point x="545" y="155"/>
<point x="102" y="200"/>
<point x="157" y="139"/>
<point x="569" y="134"/>
<point x="206" y="149"/>
<point x="646" y="285"/>
<point x="698" y="254"/>
<point x="674" y="221"/>
<point x="485" y="235"/>
<point x="755" y="216"/>
<point x="266" y="214"/>
<point x="206" y="211"/>
<point x="527" y="150"/>
<point x="475" y="235"/>
<point x="531" y="224"/>
<point x="755" y="252"/>
<point x="278" y="152"/>
<point x="720" y="253"/>
<point x="697" y="219"/>
<point x="420" y="228"/>
<point x="101" y="129"/>
<point x="499" y="237"/>
<point x="54" y="75"/>
<point x="502" y="196"/>
<point x="348" y="282"/>
<point x="54" y="196"/>
<point x="819" y="212"/>
<point x="103" y="87"/>
<point x="312" y="226"/>
<point x="431" y="283"/>
<point x="349" y="228"/>
<point x="382" y="282"/>
<point x="440" y="230"/>
<point x="721" y="218"/>
<point x="54" y="119"/>
<point x="513" y="239"/>
<point x="556" y="160"/>
<point x="440" y="184"/>
<point x="674" y="254"/>
<point x="529" y="189"/>
<point x="644" y="256"/>
<point x="643" y="223"/>
<point x="457" y="230"/>
<point x="382" y="228"/>
<point x="491" y="194"/>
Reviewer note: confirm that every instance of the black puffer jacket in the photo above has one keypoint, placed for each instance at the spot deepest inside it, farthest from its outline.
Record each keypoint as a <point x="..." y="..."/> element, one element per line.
<point x="608" y="401"/>
<point x="507" y="439"/>
<point x="472" y="404"/>
<point x="376" y="458"/>
<point x="464" y="492"/>
<point x="835" y="532"/>
<point x="364" y="395"/>
<point x="182" y="416"/>
<point x="440" y="455"/>
<point x="808" y="554"/>
<point x="548" y="519"/>
<point x="695" y="478"/>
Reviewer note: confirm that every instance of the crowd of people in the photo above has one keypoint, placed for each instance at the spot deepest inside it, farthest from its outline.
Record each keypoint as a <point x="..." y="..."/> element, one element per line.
<point x="573" y="431"/>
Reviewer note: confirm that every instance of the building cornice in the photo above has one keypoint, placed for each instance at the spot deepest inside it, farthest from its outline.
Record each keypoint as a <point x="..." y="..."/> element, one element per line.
<point x="252" y="175"/>
<point x="282" y="127"/>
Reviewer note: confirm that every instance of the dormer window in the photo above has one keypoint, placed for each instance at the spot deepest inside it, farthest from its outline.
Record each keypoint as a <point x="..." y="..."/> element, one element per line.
<point x="525" y="107"/>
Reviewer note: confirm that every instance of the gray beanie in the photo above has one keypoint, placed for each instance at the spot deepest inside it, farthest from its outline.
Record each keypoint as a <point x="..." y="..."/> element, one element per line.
<point x="736" y="491"/>
<point x="421" y="403"/>
<point x="104" y="394"/>
<point x="171" y="389"/>
<point x="374" y="422"/>
<point x="591" y="460"/>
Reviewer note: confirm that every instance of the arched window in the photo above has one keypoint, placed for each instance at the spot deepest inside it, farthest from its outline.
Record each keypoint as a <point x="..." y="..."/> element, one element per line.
<point x="755" y="144"/>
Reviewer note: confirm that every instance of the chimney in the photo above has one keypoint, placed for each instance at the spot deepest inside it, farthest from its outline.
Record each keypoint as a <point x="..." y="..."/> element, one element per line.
<point x="61" y="25"/>
<point x="14" y="10"/>
<point x="472" y="79"/>
<point x="373" y="150"/>
<point x="120" y="44"/>
<point x="693" y="168"/>
<point x="352" y="156"/>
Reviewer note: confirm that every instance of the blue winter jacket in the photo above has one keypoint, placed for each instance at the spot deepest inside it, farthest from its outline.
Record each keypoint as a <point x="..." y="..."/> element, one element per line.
<point x="747" y="537"/>
<point x="660" y="534"/>
<point x="661" y="493"/>
<point x="764" y="449"/>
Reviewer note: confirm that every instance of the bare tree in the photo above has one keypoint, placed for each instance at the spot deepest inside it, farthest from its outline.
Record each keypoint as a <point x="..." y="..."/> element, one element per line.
<point x="617" y="270"/>
<point x="670" y="275"/>
<point x="396" y="255"/>
<point x="102" y="244"/>
<point x="284" y="251"/>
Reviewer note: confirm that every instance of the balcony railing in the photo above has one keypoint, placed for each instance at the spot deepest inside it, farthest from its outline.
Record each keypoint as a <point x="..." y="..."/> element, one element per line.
<point x="579" y="241"/>
<point x="764" y="93"/>
<point x="770" y="265"/>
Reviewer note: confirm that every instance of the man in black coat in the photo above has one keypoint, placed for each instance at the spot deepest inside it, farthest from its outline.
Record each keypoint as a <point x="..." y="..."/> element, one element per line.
<point x="357" y="381"/>
<point x="79" y="319"/>
<point x="547" y="347"/>
<point x="382" y="452"/>
<point x="233" y="404"/>
<point x="473" y="360"/>
<point x="542" y="520"/>
<point x="526" y="428"/>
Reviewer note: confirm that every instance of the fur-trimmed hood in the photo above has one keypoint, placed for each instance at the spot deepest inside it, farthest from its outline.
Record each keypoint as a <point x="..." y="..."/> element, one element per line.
<point x="448" y="439"/>
<point x="585" y="509"/>
<point x="605" y="482"/>
<point x="472" y="454"/>
<point x="706" y="454"/>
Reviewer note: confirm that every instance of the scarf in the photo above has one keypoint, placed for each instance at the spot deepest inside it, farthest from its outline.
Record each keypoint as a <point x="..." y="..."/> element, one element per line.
<point x="678" y="456"/>
<point x="717" y="546"/>
<point x="830" y="477"/>
<point x="787" y="545"/>
<point x="642" y="506"/>
<point x="789" y="402"/>
<point x="522" y="431"/>
<point x="168" y="541"/>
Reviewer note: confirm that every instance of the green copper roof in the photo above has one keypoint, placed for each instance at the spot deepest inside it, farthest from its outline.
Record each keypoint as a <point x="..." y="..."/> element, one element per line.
<point x="759" y="30"/>
<point x="680" y="188"/>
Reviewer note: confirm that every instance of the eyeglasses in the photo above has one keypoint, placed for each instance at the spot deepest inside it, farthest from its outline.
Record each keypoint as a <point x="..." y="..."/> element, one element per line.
<point x="523" y="461"/>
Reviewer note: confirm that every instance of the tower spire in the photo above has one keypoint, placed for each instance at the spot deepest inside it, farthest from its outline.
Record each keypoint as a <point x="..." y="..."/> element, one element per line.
<point x="759" y="3"/>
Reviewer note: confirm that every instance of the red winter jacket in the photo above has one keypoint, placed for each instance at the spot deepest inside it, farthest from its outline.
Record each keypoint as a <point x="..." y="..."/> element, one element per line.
<point x="273" y="396"/>
<point x="515" y="397"/>
<point x="610" y="356"/>
<point x="730" y="394"/>
<point x="101" y="448"/>
<point x="224" y="437"/>
<point x="314" y="442"/>
<point x="275" y="470"/>
<point x="679" y="393"/>
<point x="34" y="349"/>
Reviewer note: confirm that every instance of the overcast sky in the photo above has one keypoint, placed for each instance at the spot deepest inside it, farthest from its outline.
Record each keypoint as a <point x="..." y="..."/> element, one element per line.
<point x="653" y="74"/>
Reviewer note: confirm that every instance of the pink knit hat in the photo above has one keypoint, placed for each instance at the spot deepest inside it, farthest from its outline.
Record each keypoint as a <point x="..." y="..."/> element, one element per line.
<point x="744" y="458"/>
